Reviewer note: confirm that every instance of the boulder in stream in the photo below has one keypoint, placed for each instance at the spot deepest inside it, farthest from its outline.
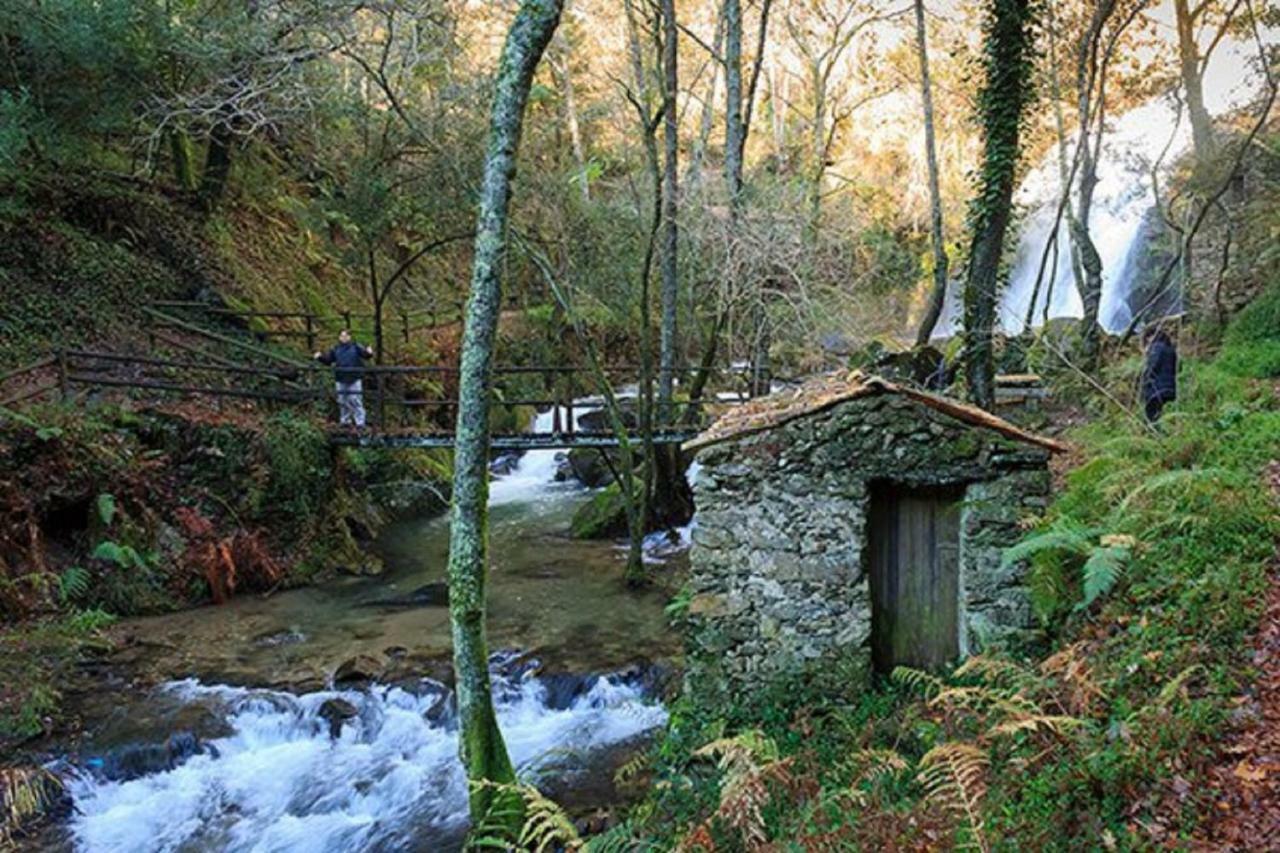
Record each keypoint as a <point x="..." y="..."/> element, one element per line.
<point x="361" y="668"/>
<point x="336" y="712"/>
<point x="135" y="760"/>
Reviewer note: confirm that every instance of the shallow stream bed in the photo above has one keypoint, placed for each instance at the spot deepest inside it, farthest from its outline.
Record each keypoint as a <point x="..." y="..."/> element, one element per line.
<point x="223" y="728"/>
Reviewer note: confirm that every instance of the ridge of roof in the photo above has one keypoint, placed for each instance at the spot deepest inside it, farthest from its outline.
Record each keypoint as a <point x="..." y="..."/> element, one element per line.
<point x="827" y="390"/>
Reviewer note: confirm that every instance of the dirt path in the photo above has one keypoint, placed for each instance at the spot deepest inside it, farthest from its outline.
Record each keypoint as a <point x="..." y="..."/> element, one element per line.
<point x="1247" y="813"/>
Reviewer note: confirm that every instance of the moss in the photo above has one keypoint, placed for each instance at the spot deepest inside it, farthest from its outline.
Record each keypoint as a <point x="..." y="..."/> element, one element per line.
<point x="1253" y="338"/>
<point x="602" y="517"/>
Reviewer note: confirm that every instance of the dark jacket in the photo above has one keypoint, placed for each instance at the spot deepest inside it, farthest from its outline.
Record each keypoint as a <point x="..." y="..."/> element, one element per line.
<point x="1160" y="373"/>
<point x="344" y="357"/>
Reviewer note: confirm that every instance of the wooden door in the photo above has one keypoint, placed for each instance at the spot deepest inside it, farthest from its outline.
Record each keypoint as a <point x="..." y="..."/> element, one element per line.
<point x="913" y="550"/>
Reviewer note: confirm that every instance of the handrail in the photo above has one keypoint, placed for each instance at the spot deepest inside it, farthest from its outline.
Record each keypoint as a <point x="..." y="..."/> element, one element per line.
<point x="171" y="321"/>
<point x="48" y="361"/>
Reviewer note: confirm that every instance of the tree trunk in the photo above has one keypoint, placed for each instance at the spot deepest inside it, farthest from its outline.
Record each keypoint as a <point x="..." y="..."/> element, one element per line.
<point x="940" y="260"/>
<point x="1192" y="83"/>
<point x="1087" y="76"/>
<point x="184" y="160"/>
<point x="483" y="752"/>
<point x="217" y="164"/>
<point x="705" y="122"/>
<point x="670" y="226"/>
<point x="1006" y="88"/>
<point x="733" y="129"/>
<point x="571" y="120"/>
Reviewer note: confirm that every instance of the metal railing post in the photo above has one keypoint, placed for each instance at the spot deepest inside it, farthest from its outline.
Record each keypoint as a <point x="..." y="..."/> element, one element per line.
<point x="311" y="334"/>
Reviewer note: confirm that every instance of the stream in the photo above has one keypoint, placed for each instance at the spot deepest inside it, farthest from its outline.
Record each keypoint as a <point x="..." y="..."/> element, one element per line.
<point x="320" y="719"/>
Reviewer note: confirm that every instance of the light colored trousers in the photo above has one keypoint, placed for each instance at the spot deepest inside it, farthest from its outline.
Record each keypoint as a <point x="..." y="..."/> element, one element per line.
<point x="351" y="403"/>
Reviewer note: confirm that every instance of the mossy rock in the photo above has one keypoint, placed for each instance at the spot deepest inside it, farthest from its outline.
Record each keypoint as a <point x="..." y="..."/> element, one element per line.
<point x="602" y="517"/>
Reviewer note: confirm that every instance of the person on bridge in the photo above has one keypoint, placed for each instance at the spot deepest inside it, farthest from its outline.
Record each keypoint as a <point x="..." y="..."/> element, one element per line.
<point x="1159" y="374"/>
<point x="347" y="359"/>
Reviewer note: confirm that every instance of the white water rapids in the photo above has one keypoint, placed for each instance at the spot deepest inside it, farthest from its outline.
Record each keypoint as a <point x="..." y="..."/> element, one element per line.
<point x="391" y="779"/>
<point x="1123" y="207"/>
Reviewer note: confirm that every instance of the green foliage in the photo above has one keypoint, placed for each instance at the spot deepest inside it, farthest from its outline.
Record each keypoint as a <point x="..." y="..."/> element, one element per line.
<point x="73" y="584"/>
<point x="1253" y="342"/>
<point x="122" y="556"/>
<point x="106" y="505"/>
<point x="298" y="467"/>
<point x="543" y="825"/>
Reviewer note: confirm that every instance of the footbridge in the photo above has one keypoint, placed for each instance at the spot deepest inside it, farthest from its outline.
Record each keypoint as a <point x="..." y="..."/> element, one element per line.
<point x="406" y="405"/>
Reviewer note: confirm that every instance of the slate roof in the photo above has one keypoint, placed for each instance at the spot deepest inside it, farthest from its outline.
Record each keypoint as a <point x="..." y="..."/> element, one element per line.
<point x="824" y="391"/>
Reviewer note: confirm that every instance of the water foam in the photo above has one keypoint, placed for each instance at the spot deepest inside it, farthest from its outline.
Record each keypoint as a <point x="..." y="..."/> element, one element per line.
<point x="390" y="780"/>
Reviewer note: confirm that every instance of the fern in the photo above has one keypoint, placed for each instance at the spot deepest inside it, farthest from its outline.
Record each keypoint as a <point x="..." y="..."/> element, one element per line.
<point x="917" y="680"/>
<point x="545" y="825"/>
<point x="1178" y="477"/>
<point x="878" y="765"/>
<point x="953" y="775"/>
<point x="1063" y="535"/>
<point x="1101" y="571"/>
<point x="751" y="764"/>
<point x="106" y="508"/>
<point x="1056" y="724"/>
<point x="73" y="584"/>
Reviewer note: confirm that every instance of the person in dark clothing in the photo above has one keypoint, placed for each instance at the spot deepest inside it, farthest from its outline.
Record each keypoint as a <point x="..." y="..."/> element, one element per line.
<point x="1159" y="374"/>
<point x="347" y="359"/>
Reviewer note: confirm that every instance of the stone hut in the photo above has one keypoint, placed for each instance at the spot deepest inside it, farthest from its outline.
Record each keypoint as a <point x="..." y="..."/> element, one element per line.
<point x="852" y="518"/>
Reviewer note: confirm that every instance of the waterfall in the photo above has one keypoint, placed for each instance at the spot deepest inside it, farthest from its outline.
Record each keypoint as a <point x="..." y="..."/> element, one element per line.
<point x="1123" y="218"/>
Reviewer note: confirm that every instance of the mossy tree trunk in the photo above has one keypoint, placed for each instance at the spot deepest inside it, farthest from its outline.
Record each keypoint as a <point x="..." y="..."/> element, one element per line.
<point x="482" y="749"/>
<point x="1007" y="60"/>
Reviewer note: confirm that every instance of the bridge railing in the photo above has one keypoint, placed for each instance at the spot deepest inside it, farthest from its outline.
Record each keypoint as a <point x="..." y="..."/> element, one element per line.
<point x="311" y="329"/>
<point x="418" y="397"/>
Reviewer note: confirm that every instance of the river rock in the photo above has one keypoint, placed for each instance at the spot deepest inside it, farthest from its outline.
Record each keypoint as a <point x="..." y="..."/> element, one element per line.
<point x="590" y="468"/>
<point x="564" y="468"/>
<point x="427" y="595"/>
<point x="504" y="464"/>
<point x="597" y="420"/>
<point x="136" y="760"/>
<point x="361" y="668"/>
<point x="335" y="712"/>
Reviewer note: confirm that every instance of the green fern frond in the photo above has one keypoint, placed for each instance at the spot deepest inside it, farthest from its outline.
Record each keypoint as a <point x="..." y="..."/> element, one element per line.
<point x="1063" y="535"/>
<point x="1181" y="477"/>
<point x="73" y="584"/>
<point x="545" y="825"/>
<point x="917" y="680"/>
<point x="1101" y="571"/>
<point x="1170" y="690"/>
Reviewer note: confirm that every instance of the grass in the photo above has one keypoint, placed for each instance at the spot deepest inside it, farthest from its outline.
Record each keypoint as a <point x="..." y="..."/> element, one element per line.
<point x="1104" y="743"/>
<point x="36" y="659"/>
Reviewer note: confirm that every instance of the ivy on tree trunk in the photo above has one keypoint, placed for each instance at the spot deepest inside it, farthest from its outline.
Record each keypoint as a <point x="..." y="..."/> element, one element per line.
<point x="1007" y="61"/>
<point x="480" y="742"/>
